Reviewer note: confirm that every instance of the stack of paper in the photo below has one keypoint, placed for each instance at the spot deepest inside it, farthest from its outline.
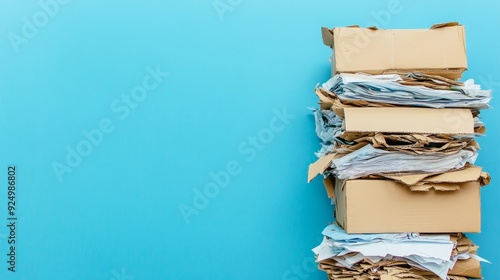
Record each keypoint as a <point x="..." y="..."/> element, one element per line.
<point x="397" y="154"/>
<point x="400" y="256"/>
<point x="412" y="89"/>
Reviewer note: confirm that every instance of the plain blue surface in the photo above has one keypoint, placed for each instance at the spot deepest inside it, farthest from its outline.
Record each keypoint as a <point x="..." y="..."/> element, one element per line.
<point x="117" y="214"/>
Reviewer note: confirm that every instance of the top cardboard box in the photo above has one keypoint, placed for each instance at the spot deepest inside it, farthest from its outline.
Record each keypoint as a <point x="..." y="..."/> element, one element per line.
<point x="439" y="50"/>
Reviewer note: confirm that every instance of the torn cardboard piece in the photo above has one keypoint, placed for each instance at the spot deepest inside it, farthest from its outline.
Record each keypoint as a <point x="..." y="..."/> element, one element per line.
<point x="467" y="174"/>
<point x="441" y="50"/>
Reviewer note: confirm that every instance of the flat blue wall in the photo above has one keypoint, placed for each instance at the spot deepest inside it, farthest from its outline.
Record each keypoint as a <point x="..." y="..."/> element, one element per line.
<point x="170" y="139"/>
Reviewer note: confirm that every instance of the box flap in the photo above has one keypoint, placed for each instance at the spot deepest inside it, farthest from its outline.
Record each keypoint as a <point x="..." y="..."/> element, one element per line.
<point x="420" y="188"/>
<point x="485" y="179"/>
<point x="410" y="179"/>
<point x="409" y="120"/>
<point x="437" y="186"/>
<point x="469" y="174"/>
<point x="330" y="189"/>
<point x="327" y="36"/>
<point x="446" y="24"/>
<point x="445" y="186"/>
<point x="319" y="166"/>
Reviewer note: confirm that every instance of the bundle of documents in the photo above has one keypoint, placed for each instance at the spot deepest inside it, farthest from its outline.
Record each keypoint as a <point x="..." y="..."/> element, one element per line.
<point x="368" y="160"/>
<point x="396" y="256"/>
<point x="414" y="89"/>
<point x="397" y="153"/>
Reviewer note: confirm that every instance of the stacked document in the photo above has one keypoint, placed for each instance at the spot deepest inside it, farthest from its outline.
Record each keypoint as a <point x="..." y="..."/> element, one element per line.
<point x="361" y="141"/>
<point x="396" y="256"/>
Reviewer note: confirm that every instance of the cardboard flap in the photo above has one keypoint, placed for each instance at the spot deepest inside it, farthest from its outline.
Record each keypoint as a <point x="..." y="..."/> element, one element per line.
<point x="319" y="166"/>
<point x="325" y="102"/>
<point x="420" y="188"/>
<point x="330" y="189"/>
<point x="409" y="180"/>
<point x="409" y="120"/>
<point x="327" y="36"/>
<point x="445" y="186"/>
<point x="485" y="179"/>
<point x="436" y="186"/>
<point x="446" y="24"/>
<point x="468" y="174"/>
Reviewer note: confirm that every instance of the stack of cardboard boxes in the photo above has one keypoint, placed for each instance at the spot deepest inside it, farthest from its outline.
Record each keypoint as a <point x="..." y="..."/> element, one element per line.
<point x="402" y="200"/>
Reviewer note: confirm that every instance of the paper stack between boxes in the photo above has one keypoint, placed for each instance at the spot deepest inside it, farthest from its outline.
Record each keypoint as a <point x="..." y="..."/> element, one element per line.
<point x="397" y="131"/>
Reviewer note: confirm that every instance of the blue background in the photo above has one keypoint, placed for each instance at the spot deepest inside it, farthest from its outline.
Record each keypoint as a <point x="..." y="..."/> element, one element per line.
<point x="117" y="214"/>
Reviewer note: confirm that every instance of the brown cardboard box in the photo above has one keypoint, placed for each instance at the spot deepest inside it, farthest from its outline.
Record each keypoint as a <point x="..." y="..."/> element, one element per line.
<point x="443" y="203"/>
<point x="439" y="50"/>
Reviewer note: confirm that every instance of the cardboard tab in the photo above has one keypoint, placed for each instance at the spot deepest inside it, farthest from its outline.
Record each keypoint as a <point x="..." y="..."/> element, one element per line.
<point x="319" y="166"/>
<point x="410" y="179"/>
<point x="330" y="189"/>
<point x="409" y="120"/>
<point x="445" y="186"/>
<point x="446" y="24"/>
<point x="468" y="174"/>
<point x="327" y="36"/>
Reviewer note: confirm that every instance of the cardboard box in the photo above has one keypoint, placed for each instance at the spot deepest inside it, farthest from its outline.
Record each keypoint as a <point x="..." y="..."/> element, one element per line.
<point x="439" y="50"/>
<point x="443" y="203"/>
<point x="399" y="120"/>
